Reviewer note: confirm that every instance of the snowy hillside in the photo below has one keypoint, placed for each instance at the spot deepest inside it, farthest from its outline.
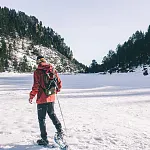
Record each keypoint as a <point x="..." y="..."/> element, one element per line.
<point x="25" y="49"/>
<point x="101" y="112"/>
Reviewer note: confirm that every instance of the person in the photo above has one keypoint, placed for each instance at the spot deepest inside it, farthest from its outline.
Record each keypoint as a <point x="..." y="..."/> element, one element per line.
<point x="145" y="71"/>
<point x="45" y="104"/>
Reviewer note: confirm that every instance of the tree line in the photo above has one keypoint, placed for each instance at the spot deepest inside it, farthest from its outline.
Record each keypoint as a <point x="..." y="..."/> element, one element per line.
<point x="132" y="53"/>
<point x="15" y="24"/>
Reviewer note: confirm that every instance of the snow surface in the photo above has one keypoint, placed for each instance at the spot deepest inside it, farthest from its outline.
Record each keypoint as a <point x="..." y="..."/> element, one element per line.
<point x="101" y="112"/>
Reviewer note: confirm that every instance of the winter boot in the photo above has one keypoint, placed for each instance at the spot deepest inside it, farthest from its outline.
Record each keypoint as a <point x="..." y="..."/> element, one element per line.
<point x="59" y="132"/>
<point x="43" y="142"/>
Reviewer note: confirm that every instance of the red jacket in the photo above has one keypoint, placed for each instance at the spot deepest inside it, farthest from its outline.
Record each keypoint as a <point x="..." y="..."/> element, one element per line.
<point x="39" y="83"/>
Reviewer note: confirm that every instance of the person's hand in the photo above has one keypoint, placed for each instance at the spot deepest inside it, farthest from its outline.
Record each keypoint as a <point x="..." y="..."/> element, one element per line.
<point x="58" y="90"/>
<point x="30" y="100"/>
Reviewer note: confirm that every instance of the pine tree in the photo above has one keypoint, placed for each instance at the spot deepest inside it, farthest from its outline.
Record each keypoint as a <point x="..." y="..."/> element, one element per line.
<point x="15" y="64"/>
<point x="94" y="66"/>
<point x="23" y="65"/>
<point x="10" y="51"/>
<point x="14" y="45"/>
<point x="23" y="45"/>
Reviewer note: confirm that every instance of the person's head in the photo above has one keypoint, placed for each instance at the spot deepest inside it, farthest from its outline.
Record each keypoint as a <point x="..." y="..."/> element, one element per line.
<point x="40" y="59"/>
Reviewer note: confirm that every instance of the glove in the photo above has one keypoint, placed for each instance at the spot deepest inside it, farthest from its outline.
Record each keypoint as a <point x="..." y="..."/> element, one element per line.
<point x="30" y="100"/>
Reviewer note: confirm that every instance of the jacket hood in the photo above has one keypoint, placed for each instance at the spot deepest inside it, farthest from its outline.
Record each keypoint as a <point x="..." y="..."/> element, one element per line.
<point x="44" y="66"/>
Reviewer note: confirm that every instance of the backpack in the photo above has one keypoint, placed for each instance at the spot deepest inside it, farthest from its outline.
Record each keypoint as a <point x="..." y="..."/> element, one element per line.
<point x="50" y="82"/>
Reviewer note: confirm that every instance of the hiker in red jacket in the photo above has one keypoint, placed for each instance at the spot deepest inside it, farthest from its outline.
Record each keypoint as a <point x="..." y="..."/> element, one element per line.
<point x="45" y="103"/>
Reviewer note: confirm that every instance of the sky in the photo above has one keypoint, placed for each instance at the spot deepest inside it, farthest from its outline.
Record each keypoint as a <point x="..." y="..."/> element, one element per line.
<point x="90" y="27"/>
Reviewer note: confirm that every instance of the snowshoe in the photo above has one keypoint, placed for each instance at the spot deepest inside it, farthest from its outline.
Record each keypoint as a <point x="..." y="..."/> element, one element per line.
<point x="58" y="138"/>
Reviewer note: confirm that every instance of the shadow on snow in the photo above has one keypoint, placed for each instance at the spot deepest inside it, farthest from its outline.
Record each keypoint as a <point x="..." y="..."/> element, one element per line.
<point x="24" y="147"/>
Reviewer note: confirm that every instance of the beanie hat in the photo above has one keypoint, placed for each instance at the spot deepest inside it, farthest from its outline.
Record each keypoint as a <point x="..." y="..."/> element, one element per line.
<point x="40" y="59"/>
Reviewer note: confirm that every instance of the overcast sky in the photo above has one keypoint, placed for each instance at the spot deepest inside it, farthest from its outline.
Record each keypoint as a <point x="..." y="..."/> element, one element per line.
<point x="90" y="27"/>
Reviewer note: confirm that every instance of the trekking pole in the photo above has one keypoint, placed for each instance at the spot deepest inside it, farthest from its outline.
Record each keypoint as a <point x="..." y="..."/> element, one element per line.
<point x="61" y="113"/>
<point x="60" y="108"/>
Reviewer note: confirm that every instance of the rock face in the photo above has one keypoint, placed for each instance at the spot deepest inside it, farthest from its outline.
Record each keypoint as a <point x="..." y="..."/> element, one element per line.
<point x="22" y="55"/>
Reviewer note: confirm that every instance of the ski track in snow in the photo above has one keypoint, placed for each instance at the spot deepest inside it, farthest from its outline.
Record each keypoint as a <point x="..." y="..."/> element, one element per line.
<point x="104" y="115"/>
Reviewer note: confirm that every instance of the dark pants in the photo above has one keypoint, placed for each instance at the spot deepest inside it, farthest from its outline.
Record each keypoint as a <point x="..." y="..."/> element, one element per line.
<point x="42" y="110"/>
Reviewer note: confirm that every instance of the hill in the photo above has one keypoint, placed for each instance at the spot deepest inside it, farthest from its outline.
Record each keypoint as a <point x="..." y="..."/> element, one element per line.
<point x="23" y="38"/>
<point x="133" y="53"/>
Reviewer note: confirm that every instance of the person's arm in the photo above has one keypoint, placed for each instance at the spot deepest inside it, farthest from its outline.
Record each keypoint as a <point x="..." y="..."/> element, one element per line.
<point x="35" y="87"/>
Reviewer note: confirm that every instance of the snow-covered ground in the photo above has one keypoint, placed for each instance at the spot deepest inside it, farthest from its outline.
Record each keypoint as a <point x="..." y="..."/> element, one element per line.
<point x="101" y="112"/>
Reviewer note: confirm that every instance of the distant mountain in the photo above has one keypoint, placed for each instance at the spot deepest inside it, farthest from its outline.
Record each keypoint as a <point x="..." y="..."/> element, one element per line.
<point x="23" y="38"/>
